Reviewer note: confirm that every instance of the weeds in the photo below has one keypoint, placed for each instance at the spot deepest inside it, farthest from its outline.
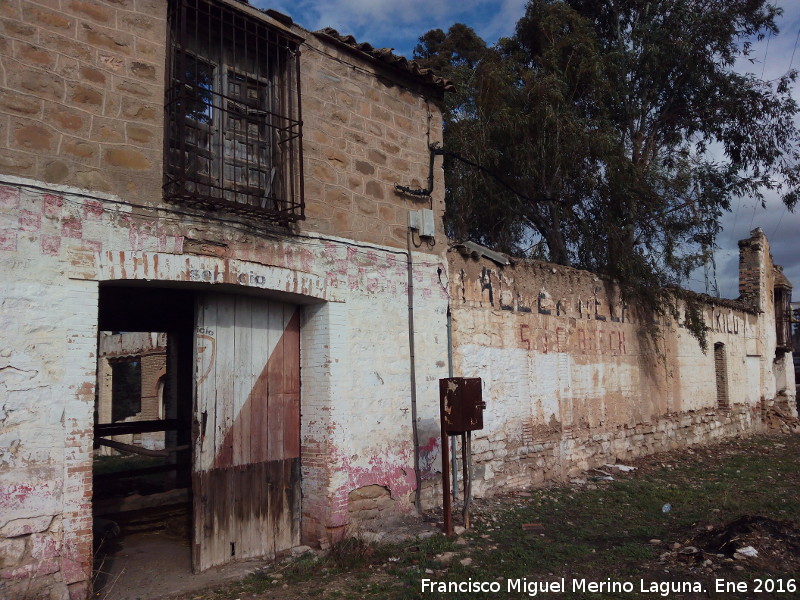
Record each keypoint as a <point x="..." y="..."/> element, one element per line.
<point x="616" y="531"/>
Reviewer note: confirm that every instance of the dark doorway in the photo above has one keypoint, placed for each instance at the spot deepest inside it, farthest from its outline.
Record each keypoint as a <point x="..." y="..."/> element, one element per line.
<point x="142" y="493"/>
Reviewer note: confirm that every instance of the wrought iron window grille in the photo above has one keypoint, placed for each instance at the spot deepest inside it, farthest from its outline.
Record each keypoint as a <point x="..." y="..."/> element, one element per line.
<point x="234" y="129"/>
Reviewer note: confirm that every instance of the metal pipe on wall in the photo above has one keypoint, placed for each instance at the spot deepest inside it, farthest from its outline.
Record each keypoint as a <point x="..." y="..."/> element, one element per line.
<point x="413" y="375"/>
<point x="454" y="465"/>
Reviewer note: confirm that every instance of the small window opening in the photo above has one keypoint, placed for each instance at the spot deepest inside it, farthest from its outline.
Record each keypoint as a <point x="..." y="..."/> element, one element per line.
<point x="721" y="370"/>
<point x="783" y="318"/>
<point x="126" y="389"/>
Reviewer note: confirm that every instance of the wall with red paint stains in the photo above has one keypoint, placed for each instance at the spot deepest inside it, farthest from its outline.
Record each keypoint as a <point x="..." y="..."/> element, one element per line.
<point x="81" y="156"/>
<point x="572" y="381"/>
<point x="356" y="428"/>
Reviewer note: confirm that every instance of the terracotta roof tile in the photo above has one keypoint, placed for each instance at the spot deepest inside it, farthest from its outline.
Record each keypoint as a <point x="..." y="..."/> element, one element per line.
<point x="386" y="56"/>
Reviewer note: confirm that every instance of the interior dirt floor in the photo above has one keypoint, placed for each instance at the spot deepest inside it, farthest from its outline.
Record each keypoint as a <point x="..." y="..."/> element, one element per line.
<point x="146" y="566"/>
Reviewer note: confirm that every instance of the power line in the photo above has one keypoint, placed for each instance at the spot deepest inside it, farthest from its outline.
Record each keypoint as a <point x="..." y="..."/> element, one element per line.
<point x="775" y="231"/>
<point x="797" y="37"/>
<point x="766" y="52"/>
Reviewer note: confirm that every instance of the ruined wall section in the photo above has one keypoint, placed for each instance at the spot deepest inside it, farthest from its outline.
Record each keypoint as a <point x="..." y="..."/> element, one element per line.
<point x="757" y="281"/>
<point x="82" y="93"/>
<point x="365" y="129"/>
<point x="571" y="381"/>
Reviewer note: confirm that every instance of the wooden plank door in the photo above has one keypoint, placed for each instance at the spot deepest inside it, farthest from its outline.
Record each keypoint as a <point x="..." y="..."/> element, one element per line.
<point x="246" y="473"/>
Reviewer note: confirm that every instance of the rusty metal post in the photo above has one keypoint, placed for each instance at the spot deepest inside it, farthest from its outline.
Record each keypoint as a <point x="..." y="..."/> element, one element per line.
<point x="465" y="477"/>
<point x="446" y="500"/>
<point x="467" y="442"/>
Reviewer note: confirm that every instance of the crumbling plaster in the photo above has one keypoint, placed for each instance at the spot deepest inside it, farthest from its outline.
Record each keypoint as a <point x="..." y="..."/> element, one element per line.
<point x="572" y="379"/>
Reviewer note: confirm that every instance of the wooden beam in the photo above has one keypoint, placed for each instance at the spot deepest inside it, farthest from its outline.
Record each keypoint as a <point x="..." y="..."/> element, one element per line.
<point x="137" y="449"/>
<point x="106" y="429"/>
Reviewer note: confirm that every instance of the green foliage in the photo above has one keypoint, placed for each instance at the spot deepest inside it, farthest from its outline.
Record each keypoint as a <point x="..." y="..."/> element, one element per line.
<point x="614" y="134"/>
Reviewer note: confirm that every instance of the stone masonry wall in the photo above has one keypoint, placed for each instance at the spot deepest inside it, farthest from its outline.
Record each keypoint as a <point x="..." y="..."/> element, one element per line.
<point x="82" y="104"/>
<point x="571" y="382"/>
<point x="82" y="93"/>
<point x="364" y="133"/>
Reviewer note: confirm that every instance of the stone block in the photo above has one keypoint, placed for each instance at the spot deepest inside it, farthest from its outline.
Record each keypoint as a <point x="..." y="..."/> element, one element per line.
<point x="142" y="25"/>
<point x="93" y="10"/>
<point x="67" y="119"/>
<point x="365" y="205"/>
<point x="138" y="88"/>
<point x="47" y="18"/>
<point x="11" y="552"/>
<point x="105" y="39"/>
<point x="324" y="173"/>
<point x="404" y="124"/>
<point x="81" y="149"/>
<point x="127" y="158"/>
<point x="16" y="163"/>
<point x="107" y="130"/>
<point x="338" y="196"/>
<point x="379" y="113"/>
<point x="34" y="138"/>
<point x="36" y="83"/>
<point x="368" y="492"/>
<point x="56" y="171"/>
<point x="375" y="189"/>
<point x="138" y="110"/>
<point x="34" y="55"/>
<point x="143" y="70"/>
<point x="151" y="7"/>
<point x="139" y="134"/>
<point x="20" y="104"/>
<point x="92" y="75"/>
<point x="15" y="29"/>
<point x="342" y="221"/>
<point x="65" y="45"/>
<point x="89" y="97"/>
<point x="26" y="526"/>
<point x="92" y="180"/>
<point x="337" y="159"/>
<point x="364" y="167"/>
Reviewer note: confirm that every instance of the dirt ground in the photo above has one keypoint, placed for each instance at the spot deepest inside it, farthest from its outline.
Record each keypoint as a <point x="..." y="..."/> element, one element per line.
<point x="724" y="512"/>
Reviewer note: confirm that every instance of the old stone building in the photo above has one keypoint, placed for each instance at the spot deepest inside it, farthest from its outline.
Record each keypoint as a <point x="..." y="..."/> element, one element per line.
<point x="261" y="200"/>
<point x="216" y="173"/>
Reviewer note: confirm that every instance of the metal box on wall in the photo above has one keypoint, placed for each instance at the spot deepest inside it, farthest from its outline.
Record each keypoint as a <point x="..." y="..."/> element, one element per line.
<point x="462" y="404"/>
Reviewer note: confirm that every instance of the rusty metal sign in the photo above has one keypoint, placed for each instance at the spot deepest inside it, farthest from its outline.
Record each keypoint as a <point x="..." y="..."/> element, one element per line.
<point x="462" y="404"/>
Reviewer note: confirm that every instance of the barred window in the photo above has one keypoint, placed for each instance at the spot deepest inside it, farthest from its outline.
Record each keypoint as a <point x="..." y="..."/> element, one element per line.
<point x="233" y="138"/>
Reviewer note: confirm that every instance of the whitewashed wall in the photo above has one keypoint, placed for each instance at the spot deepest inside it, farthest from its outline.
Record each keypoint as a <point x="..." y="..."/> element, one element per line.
<point x="356" y="419"/>
<point x="571" y="383"/>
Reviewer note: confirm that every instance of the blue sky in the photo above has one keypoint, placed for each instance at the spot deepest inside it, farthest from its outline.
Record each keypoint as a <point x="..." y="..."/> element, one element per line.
<point x="399" y="23"/>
